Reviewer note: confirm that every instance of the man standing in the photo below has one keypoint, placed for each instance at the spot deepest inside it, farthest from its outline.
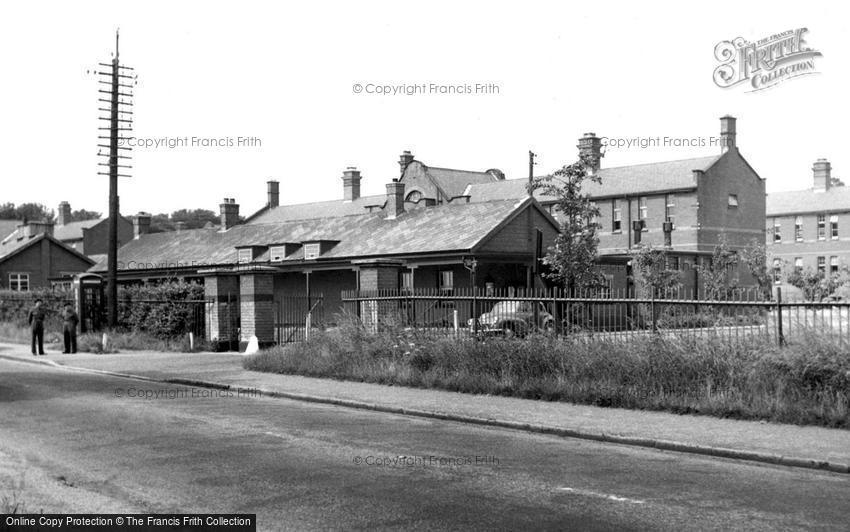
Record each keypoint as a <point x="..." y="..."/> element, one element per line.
<point x="36" y="321"/>
<point x="70" y="320"/>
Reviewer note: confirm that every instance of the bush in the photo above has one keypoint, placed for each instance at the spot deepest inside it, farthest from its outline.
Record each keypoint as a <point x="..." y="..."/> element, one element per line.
<point x="805" y="383"/>
<point x="162" y="311"/>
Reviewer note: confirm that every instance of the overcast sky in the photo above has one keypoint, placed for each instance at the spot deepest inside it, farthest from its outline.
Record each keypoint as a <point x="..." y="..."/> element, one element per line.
<point x="285" y="74"/>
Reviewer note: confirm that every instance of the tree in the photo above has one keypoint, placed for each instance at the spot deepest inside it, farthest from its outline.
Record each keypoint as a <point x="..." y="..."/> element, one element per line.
<point x="572" y="259"/>
<point x="81" y="215"/>
<point x="719" y="275"/>
<point x="755" y="260"/>
<point x="652" y="272"/>
<point x="816" y="285"/>
<point x="29" y="211"/>
<point x="194" y="219"/>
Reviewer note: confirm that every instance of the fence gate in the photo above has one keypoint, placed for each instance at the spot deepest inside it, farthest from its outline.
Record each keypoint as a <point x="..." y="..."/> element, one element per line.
<point x="296" y="316"/>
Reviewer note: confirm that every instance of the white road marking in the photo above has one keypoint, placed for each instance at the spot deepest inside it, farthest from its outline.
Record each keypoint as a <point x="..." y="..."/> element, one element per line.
<point x="610" y="497"/>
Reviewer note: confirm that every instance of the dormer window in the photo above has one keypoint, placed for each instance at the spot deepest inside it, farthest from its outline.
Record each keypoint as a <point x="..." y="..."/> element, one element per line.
<point x="311" y="251"/>
<point x="277" y="253"/>
<point x="244" y="256"/>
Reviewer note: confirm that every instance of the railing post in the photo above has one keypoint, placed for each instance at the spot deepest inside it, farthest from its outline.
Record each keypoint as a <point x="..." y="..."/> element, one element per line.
<point x="652" y="309"/>
<point x="474" y="311"/>
<point x="780" y="333"/>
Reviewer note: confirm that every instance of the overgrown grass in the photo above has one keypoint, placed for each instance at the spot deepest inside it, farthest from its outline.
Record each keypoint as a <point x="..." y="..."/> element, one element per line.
<point x="804" y="383"/>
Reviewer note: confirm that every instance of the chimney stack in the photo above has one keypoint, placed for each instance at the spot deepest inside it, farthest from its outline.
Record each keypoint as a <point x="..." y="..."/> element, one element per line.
<point x="274" y="193"/>
<point x="822" y="172"/>
<point x="728" y="132"/>
<point x="229" y="213"/>
<point x="590" y="148"/>
<point x="141" y="224"/>
<point x="63" y="216"/>
<point x="395" y="199"/>
<point x="405" y="159"/>
<point x="31" y="229"/>
<point x="351" y="183"/>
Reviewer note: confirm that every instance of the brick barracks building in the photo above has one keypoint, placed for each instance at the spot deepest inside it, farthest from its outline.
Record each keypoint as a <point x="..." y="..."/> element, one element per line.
<point x="431" y="220"/>
<point x="684" y="205"/>
<point x="810" y="229"/>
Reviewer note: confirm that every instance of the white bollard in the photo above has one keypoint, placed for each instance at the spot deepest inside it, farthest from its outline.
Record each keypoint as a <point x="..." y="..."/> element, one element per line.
<point x="253" y="346"/>
<point x="191" y="341"/>
<point x="456" y="324"/>
<point x="104" y="342"/>
<point x="307" y="325"/>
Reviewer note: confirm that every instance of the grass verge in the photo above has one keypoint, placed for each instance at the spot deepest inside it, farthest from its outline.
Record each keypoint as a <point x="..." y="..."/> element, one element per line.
<point x="117" y="341"/>
<point x="806" y="383"/>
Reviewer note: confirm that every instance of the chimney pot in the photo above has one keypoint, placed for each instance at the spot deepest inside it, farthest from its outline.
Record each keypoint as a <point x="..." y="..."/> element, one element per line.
<point x="728" y="132"/>
<point x="273" y="193"/>
<point x="822" y="173"/>
<point x="351" y="183"/>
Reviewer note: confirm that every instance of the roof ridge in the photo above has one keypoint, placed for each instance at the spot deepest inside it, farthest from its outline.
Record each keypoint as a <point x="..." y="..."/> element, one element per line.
<point x="662" y="162"/>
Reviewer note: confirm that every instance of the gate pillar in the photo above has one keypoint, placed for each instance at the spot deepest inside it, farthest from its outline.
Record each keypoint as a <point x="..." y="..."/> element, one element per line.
<point x="256" y="291"/>
<point x="222" y="295"/>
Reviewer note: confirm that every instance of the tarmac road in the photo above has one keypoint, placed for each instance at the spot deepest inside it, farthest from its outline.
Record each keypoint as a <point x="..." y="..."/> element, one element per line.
<point x="73" y="441"/>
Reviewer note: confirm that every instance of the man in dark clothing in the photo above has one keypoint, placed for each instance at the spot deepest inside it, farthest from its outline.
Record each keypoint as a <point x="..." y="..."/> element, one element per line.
<point x="36" y="321"/>
<point x="70" y="329"/>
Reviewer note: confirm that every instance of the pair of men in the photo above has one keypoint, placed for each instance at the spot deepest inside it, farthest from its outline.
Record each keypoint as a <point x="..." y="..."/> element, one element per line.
<point x="36" y="321"/>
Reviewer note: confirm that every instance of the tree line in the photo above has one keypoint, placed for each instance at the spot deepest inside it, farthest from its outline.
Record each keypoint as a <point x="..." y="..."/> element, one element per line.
<point x="189" y="218"/>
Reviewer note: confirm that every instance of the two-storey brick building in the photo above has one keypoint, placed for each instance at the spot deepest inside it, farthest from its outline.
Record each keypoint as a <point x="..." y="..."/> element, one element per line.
<point x="810" y="228"/>
<point x="684" y="205"/>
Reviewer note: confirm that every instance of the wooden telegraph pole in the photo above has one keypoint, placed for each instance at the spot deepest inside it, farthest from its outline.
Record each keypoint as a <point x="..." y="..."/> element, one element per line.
<point x="120" y="80"/>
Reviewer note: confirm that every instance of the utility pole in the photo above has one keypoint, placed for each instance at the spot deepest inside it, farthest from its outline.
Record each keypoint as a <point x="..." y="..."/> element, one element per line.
<point x="529" y="275"/>
<point x="119" y="116"/>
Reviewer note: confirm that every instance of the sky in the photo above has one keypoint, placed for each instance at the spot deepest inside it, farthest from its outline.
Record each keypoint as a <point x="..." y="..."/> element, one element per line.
<point x="283" y="77"/>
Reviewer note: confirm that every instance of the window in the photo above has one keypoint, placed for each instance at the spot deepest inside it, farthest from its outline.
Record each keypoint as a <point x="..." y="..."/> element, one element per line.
<point x="798" y="229"/>
<point x="407" y="280"/>
<point x="822" y="264"/>
<point x="777" y="230"/>
<point x="617" y="224"/>
<point x="798" y="263"/>
<point x="414" y="196"/>
<point x="642" y="208"/>
<point x="821" y="227"/>
<point x="833" y="264"/>
<point x="447" y="280"/>
<point x="277" y="253"/>
<point x="833" y="226"/>
<point x="777" y="271"/>
<point x="673" y="263"/>
<point x="733" y="201"/>
<point x="19" y="282"/>
<point x="311" y="251"/>
<point x="670" y="208"/>
<point x="244" y="255"/>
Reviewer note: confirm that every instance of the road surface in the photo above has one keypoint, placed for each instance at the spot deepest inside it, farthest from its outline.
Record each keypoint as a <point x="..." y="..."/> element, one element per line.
<point x="72" y="441"/>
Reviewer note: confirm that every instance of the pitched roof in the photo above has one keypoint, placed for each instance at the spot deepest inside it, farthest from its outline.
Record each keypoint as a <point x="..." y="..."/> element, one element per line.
<point x="454" y="182"/>
<point x="318" y="209"/>
<point x="617" y="181"/>
<point x="12" y="244"/>
<point x="836" y="199"/>
<point x="74" y="230"/>
<point x="7" y="227"/>
<point x="452" y="227"/>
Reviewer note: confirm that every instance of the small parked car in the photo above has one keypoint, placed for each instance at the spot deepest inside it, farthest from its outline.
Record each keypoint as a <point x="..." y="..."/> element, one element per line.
<point x="514" y="318"/>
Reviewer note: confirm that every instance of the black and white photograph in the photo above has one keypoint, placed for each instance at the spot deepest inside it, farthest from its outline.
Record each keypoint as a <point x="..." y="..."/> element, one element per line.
<point x="378" y="265"/>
